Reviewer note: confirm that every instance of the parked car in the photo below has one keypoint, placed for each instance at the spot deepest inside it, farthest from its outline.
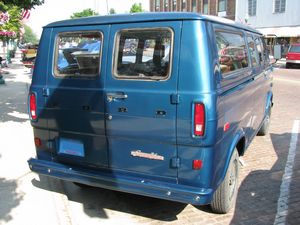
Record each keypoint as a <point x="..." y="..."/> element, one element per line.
<point x="28" y="55"/>
<point x="167" y="118"/>
<point x="293" y="56"/>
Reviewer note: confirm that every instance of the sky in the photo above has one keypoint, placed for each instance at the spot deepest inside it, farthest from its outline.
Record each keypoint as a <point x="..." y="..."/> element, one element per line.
<point x="54" y="10"/>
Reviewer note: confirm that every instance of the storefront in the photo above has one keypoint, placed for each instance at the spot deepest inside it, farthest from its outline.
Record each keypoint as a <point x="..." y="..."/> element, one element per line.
<point x="281" y="35"/>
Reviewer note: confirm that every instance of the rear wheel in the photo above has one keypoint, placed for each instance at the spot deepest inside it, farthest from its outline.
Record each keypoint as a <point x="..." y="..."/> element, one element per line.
<point x="225" y="196"/>
<point x="287" y="65"/>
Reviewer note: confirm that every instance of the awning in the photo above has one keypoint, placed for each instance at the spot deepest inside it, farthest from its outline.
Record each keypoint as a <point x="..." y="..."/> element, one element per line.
<point x="281" y="31"/>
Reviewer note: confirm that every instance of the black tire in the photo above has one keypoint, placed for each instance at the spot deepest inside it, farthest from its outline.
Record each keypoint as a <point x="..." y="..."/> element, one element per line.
<point x="225" y="196"/>
<point x="287" y="65"/>
<point x="264" y="130"/>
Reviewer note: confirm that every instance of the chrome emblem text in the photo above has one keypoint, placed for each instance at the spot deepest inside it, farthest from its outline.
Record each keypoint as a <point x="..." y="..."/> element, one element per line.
<point x="152" y="155"/>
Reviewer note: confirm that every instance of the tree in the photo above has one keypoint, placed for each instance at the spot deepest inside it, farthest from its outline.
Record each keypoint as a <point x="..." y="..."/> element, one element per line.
<point x="29" y="36"/>
<point x="112" y="11"/>
<point x="10" y="27"/>
<point x="136" y="8"/>
<point x="23" y="4"/>
<point x="84" y="13"/>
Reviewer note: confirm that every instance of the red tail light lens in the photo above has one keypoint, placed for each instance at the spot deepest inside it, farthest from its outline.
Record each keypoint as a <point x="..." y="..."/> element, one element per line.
<point x="37" y="142"/>
<point x="197" y="164"/>
<point x="199" y="119"/>
<point x="32" y="106"/>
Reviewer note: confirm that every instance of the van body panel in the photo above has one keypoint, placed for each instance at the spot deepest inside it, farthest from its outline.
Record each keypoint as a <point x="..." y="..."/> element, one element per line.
<point x="131" y="126"/>
<point x="39" y="81"/>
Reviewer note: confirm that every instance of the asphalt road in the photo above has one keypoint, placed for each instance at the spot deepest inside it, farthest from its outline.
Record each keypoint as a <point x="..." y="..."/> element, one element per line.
<point x="269" y="186"/>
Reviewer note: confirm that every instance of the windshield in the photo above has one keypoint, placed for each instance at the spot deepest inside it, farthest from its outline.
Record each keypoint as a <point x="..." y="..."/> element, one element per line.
<point x="295" y="48"/>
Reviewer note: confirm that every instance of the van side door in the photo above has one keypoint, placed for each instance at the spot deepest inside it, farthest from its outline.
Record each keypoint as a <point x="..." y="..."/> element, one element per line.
<point x="140" y="92"/>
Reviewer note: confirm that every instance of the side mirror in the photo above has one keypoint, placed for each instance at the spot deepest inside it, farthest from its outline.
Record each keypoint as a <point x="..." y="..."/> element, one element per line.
<point x="277" y="52"/>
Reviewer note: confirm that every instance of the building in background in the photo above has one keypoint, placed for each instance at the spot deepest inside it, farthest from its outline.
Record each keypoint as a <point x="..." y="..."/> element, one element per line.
<point x="272" y="17"/>
<point x="222" y="8"/>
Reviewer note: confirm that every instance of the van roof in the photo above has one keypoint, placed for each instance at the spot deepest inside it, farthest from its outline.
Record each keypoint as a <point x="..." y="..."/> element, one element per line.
<point x="147" y="17"/>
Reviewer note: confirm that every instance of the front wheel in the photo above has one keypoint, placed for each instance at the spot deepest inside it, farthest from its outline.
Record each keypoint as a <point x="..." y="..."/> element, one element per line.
<point x="225" y="196"/>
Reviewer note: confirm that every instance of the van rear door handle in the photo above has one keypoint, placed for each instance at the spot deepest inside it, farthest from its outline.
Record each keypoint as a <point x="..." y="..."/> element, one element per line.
<point x="114" y="96"/>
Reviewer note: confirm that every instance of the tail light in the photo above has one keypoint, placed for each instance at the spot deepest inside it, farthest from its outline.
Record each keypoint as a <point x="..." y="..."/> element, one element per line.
<point x="32" y="106"/>
<point x="199" y="119"/>
<point x="197" y="164"/>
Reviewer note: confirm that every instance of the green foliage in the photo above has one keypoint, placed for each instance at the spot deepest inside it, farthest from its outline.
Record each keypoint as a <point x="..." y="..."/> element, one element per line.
<point x="14" y="22"/>
<point x="23" y="4"/>
<point x="136" y="8"/>
<point x="29" y="36"/>
<point x="84" y="13"/>
<point x="112" y="11"/>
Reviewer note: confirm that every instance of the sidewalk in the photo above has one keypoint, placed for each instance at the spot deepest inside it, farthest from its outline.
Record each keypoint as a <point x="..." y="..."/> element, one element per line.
<point x="20" y="201"/>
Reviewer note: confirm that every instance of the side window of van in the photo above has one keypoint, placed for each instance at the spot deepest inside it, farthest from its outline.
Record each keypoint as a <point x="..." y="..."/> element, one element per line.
<point x="252" y="51"/>
<point x="143" y="54"/>
<point x="77" y="54"/>
<point x="232" y="51"/>
<point x="265" y="51"/>
<point x="260" y="50"/>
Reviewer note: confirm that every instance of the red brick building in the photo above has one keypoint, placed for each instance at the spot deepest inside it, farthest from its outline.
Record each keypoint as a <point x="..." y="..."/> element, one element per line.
<point x="223" y="8"/>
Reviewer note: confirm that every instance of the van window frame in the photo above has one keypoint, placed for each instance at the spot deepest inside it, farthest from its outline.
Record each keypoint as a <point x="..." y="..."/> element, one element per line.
<point x="115" y="74"/>
<point x="72" y="76"/>
<point x="231" y="30"/>
<point x="258" y="64"/>
<point x="260" y="57"/>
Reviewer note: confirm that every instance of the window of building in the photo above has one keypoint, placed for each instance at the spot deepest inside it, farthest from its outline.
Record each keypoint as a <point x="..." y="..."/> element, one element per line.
<point x="252" y="7"/>
<point x="157" y="5"/>
<point x="183" y="6"/>
<point x="174" y="5"/>
<point x="78" y="54"/>
<point x="222" y="5"/>
<point x="166" y="5"/>
<point x="232" y="51"/>
<point x="194" y="6"/>
<point x="205" y="6"/>
<point x="143" y="54"/>
<point x="279" y="6"/>
<point x="252" y="52"/>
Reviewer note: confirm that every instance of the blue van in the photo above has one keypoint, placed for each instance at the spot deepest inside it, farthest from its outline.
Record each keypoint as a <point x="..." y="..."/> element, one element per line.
<point x="155" y="104"/>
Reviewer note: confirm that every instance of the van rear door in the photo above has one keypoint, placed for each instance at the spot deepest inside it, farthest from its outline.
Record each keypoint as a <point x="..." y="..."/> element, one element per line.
<point x="74" y="92"/>
<point x="141" y="98"/>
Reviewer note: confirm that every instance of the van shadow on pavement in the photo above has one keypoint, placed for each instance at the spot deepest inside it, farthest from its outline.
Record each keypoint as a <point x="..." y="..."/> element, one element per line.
<point x="259" y="192"/>
<point x="96" y="200"/>
<point x="9" y="197"/>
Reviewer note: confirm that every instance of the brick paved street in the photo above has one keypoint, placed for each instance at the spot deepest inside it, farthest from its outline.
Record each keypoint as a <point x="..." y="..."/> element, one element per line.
<point x="26" y="198"/>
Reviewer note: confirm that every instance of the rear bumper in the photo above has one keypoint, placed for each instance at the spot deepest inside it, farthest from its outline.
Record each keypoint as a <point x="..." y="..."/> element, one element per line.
<point x="112" y="181"/>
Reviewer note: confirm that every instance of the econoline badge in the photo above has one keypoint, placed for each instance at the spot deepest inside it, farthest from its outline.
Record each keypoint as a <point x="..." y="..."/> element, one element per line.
<point x="152" y="155"/>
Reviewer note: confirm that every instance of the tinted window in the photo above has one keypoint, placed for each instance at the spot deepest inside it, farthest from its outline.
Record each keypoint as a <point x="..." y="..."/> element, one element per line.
<point x="78" y="54"/>
<point x="143" y="54"/>
<point x="252" y="52"/>
<point x="232" y="51"/>
<point x="295" y="48"/>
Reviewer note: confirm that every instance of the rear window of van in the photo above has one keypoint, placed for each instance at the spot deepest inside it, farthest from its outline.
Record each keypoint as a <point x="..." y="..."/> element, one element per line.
<point x="143" y="54"/>
<point x="78" y="54"/>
